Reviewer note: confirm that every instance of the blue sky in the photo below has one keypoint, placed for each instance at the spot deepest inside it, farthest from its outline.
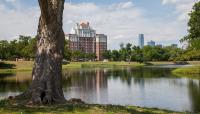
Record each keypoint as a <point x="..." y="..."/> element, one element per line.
<point x="164" y="21"/>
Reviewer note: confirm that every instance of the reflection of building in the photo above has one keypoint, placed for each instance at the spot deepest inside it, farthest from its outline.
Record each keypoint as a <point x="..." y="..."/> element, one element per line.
<point x="151" y="43"/>
<point x="141" y="40"/>
<point x="83" y="38"/>
<point x="90" y="86"/>
<point x="101" y="86"/>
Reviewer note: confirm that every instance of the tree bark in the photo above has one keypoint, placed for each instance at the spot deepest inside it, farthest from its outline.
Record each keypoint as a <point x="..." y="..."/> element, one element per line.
<point x="46" y="84"/>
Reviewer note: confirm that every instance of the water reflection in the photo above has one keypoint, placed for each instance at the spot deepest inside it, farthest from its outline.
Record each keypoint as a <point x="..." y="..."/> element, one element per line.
<point x="89" y="85"/>
<point x="194" y="93"/>
<point x="147" y="87"/>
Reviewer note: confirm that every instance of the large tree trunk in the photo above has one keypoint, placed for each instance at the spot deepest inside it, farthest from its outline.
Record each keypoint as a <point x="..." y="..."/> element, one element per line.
<point x="46" y="84"/>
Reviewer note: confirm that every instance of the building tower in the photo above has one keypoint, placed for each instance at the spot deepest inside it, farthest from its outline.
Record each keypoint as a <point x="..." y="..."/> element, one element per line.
<point x="85" y="39"/>
<point x="141" y="40"/>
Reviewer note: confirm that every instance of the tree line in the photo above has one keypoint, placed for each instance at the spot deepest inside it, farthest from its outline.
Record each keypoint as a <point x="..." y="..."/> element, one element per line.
<point x="149" y="53"/>
<point x="25" y="48"/>
<point x="130" y="53"/>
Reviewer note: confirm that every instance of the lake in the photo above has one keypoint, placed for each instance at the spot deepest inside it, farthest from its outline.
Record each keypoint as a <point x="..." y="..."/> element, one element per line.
<point x="153" y="87"/>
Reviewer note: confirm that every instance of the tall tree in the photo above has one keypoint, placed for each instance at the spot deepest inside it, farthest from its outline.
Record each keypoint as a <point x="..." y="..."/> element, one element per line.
<point x="107" y="54"/>
<point x="193" y="37"/>
<point x="128" y="51"/>
<point x="46" y="84"/>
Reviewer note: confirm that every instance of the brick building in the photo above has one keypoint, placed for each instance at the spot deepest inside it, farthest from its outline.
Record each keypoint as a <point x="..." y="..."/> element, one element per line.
<point x="83" y="38"/>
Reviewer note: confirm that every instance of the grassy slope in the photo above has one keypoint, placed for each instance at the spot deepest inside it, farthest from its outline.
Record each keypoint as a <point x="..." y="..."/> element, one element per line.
<point x="194" y="70"/>
<point x="187" y="70"/>
<point x="7" y="107"/>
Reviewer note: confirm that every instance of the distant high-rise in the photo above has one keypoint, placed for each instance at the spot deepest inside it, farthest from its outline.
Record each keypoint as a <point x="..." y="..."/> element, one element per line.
<point x="151" y="43"/>
<point x="141" y="40"/>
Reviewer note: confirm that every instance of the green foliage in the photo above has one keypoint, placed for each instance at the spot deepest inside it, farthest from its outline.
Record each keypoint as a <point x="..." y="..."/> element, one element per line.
<point x="107" y="54"/>
<point x="23" y="48"/>
<point x="67" y="52"/>
<point x="80" y="56"/>
<point x="193" y="38"/>
<point x="5" y="49"/>
<point x="125" y="52"/>
<point x="148" y="53"/>
<point x="137" y="54"/>
<point x="115" y="55"/>
<point x="190" y="55"/>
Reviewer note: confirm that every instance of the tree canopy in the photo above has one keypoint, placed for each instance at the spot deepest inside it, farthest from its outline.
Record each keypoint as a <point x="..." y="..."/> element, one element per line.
<point x="193" y="37"/>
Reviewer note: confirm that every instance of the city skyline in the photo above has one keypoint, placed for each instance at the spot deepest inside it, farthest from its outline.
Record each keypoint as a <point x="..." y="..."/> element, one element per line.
<point x="142" y="42"/>
<point x="163" y="21"/>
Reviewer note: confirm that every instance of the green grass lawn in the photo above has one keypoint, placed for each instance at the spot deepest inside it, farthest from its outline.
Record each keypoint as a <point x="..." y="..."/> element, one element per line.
<point x="27" y="65"/>
<point x="10" y="107"/>
<point x="100" y="64"/>
<point x="187" y="70"/>
<point x="192" y="72"/>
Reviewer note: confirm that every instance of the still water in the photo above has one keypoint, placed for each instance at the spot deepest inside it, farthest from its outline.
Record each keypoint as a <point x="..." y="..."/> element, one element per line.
<point x="152" y="87"/>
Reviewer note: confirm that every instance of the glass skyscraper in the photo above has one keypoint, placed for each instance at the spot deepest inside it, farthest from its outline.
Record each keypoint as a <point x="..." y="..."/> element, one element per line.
<point x="141" y="40"/>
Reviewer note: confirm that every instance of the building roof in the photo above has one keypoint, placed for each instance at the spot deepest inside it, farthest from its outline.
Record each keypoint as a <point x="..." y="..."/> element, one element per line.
<point x="84" y="24"/>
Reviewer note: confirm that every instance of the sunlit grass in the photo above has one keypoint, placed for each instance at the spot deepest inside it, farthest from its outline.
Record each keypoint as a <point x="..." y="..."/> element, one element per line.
<point x="187" y="70"/>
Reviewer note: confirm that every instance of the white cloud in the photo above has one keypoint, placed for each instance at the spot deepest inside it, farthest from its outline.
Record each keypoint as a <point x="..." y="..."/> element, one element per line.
<point x="122" y="5"/>
<point x="183" y="7"/>
<point x="122" y="22"/>
<point x="16" y="22"/>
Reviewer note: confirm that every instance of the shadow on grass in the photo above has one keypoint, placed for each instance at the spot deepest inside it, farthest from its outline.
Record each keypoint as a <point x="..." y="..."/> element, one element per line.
<point x="6" y="74"/>
<point x="7" y="66"/>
